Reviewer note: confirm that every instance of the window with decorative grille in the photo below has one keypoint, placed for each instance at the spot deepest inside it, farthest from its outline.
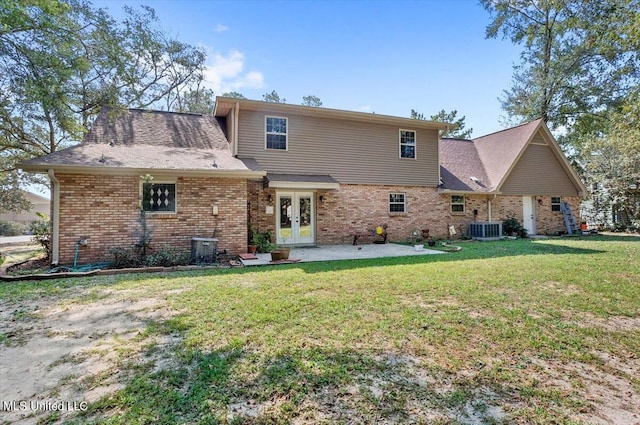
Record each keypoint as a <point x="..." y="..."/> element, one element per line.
<point x="159" y="197"/>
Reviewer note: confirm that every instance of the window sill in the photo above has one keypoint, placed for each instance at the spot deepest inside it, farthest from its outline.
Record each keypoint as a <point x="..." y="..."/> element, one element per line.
<point x="162" y="215"/>
<point x="458" y="213"/>
<point x="397" y="214"/>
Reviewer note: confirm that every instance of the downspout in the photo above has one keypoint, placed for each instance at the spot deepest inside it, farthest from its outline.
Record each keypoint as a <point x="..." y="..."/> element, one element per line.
<point x="55" y="218"/>
<point x="235" y="129"/>
<point x="489" y="210"/>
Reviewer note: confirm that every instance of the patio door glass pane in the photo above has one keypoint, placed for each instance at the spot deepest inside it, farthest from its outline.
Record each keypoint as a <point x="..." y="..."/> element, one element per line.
<point x="285" y="230"/>
<point x="304" y="205"/>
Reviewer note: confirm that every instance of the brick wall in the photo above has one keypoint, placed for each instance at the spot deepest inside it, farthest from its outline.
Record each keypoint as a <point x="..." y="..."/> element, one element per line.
<point x="552" y="222"/>
<point x="106" y="209"/>
<point x="358" y="208"/>
<point x="547" y="221"/>
<point x="257" y="201"/>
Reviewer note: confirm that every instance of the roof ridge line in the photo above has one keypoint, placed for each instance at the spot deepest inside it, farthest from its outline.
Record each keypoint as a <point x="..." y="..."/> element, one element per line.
<point x="507" y="129"/>
<point x="157" y="111"/>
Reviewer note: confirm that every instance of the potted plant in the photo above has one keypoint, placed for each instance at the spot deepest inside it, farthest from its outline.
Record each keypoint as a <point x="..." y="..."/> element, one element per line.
<point x="281" y="252"/>
<point x="252" y="248"/>
<point x="261" y="240"/>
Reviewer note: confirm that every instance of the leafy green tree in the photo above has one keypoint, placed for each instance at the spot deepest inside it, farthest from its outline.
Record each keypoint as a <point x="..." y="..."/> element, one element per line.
<point x="273" y="97"/>
<point x="62" y="61"/>
<point x="234" y="94"/>
<point x="11" y="197"/>
<point x="611" y="163"/>
<point x="196" y="100"/>
<point x="577" y="60"/>
<point x="458" y="130"/>
<point x="311" y="100"/>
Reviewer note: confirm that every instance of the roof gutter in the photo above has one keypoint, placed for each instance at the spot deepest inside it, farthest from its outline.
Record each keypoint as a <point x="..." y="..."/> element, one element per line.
<point x="55" y="218"/>
<point x="469" y="192"/>
<point x="112" y="171"/>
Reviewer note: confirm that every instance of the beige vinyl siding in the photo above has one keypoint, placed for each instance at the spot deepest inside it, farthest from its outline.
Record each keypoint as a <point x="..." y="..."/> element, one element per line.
<point x="351" y="152"/>
<point x="538" y="172"/>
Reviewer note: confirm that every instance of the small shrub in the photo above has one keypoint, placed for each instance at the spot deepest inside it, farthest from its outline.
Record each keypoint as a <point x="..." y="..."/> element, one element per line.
<point x="124" y="258"/>
<point x="511" y="226"/>
<point x="262" y="240"/>
<point x="41" y="231"/>
<point x="168" y="257"/>
<point x="8" y="228"/>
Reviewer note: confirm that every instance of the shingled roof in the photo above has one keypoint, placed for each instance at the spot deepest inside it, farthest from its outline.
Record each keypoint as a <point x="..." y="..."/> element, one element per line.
<point x="149" y="140"/>
<point x="482" y="165"/>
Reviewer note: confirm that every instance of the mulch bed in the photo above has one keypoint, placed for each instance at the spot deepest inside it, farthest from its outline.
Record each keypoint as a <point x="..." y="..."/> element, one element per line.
<point x="38" y="263"/>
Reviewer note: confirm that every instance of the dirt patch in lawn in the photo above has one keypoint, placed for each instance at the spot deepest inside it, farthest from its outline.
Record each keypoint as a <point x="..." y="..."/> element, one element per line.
<point x="71" y="353"/>
<point x="608" y="390"/>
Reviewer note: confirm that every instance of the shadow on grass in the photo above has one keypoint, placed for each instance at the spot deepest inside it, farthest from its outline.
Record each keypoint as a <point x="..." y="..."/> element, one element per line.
<point x="472" y="250"/>
<point x="238" y="386"/>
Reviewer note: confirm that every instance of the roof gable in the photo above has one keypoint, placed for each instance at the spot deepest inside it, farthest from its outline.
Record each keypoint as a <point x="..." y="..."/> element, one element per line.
<point x="497" y="155"/>
<point x="500" y="151"/>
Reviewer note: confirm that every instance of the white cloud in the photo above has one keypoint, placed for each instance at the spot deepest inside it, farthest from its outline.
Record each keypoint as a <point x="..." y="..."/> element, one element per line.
<point x="220" y="28"/>
<point x="225" y="74"/>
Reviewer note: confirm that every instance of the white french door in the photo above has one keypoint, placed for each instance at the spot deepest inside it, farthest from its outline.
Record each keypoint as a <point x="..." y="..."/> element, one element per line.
<point x="295" y="218"/>
<point x="529" y="214"/>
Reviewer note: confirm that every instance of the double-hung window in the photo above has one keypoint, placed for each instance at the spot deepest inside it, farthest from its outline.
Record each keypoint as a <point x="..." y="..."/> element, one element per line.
<point x="457" y="203"/>
<point x="276" y="133"/>
<point x="159" y="197"/>
<point x="407" y="144"/>
<point x="555" y="203"/>
<point x="397" y="203"/>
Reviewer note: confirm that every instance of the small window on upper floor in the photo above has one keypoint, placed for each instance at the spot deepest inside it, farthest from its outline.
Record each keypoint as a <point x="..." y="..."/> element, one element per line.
<point x="555" y="203"/>
<point x="407" y="144"/>
<point x="457" y="203"/>
<point x="276" y="133"/>
<point x="159" y="197"/>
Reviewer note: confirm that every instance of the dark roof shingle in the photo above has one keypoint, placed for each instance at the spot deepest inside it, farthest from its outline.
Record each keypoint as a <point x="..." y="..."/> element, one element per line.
<point x="154" y="140"/>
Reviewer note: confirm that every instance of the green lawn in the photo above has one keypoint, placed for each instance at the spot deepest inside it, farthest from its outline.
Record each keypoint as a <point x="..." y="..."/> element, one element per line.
<point x="500" y="332"/>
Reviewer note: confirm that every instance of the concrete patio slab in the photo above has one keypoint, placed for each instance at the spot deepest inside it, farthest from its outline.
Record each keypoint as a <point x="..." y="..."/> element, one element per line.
<point x="343" y="252"/>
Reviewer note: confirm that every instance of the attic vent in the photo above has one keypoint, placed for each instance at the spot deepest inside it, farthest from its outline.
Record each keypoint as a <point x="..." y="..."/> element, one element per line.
<point x="475" y="179"/>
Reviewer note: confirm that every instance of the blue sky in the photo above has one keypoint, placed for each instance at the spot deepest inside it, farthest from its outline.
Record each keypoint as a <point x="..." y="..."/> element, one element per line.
<point x="386" y="57"/>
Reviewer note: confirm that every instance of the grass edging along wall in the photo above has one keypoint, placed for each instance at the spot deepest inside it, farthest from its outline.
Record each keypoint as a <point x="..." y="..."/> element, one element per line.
<point x="102" y="272"/>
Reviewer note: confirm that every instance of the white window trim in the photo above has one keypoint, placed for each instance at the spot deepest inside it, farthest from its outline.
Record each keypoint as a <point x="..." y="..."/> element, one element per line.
<point x="415" y="143"/>
<point x="559" y="203"/>
<point x="286" y="135"/>
<point x="173" y="182"/>
<point x="404" y="203"/>
<point x="464" y="206"/>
